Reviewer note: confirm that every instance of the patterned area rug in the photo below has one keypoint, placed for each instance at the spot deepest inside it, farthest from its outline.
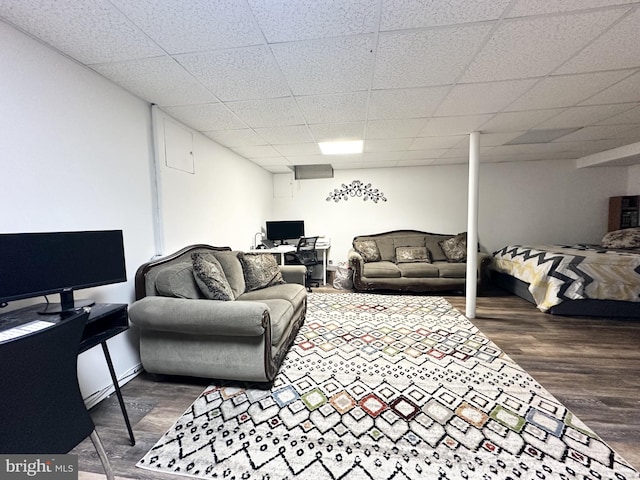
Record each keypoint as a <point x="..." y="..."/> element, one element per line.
<point x="386" y="387"/>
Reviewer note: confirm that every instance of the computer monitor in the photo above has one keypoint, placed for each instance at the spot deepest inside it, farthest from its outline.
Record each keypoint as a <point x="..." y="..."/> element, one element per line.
<point x="284" y="230"/>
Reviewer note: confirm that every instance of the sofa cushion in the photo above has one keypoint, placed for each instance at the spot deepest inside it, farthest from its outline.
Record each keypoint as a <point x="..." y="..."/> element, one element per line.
<point x="412" y="254"/>
<point x="452" y="270"/>
<point x="455" y="248"/>
<point x="381" y="269"/>
<point x="368" y="249"/>
<point x="210" y="277"/>
<point x="177" y="280"/>
<point x="294" y="293"/>
<point x="232" y="270"/>
<point x="418" y="270"/>
<point x="260" y="270"/>
<point x="433" y="244"/>
<point x="387" y="248"/>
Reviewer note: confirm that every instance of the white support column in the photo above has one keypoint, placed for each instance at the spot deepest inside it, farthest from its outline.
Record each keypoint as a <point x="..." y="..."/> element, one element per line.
<point x="472" y="225"/>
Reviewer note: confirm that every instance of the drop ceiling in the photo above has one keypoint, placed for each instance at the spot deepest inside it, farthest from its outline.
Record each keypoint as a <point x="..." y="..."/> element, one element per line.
<point x="412" y="78"/>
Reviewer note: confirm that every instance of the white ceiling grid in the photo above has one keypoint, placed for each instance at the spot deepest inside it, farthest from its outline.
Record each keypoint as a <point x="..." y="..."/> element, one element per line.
<point x="412" y="78"/>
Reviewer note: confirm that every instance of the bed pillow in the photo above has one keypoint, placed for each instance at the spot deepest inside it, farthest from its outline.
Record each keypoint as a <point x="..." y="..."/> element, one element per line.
<point x="368" y="249"/>
<point x="626" y="238"/>
<point x="260" y="270"/>
<point x="412" y="254"/>
<point x="455" y="248"/>
<point x="210" y="277"/>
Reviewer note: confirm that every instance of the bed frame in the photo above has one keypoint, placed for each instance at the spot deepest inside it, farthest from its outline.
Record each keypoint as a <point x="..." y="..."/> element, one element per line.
<point x="574" y="308"/>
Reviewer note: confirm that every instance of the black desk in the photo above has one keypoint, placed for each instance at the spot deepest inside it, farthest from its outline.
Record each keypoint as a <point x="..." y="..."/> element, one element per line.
<point x="106" y="320"/>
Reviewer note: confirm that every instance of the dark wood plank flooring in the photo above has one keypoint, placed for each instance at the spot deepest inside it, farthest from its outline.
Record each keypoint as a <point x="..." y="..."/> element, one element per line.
<point x="592" y="365"/>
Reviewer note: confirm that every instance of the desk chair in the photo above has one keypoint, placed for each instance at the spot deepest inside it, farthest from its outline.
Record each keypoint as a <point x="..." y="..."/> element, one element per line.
<point x="41" y="407"/>
<point x="307" y="255"/>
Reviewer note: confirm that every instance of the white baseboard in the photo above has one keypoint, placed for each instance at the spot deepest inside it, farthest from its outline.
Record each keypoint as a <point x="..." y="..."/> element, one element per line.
<point x="96" y="397"/>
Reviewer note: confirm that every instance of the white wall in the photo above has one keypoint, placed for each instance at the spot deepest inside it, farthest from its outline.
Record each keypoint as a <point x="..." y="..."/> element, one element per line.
<point x="525" y="202"/>
<point x="76" y="155"/>
<point x="224" y="202"/>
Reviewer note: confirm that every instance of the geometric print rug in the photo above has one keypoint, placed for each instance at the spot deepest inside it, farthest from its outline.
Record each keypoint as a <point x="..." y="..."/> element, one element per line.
<point x="386" y="387"/>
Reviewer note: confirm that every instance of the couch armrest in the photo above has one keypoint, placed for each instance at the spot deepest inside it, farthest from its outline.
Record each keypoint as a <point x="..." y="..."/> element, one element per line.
<point x="484" y="260"/>
<point x="355" y="261"/>
<point x="294" y="273"/>
<point x="204" y="317"/>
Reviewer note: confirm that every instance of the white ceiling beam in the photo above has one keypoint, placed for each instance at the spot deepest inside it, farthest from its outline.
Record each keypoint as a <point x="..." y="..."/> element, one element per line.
<point x="622" y="156"/>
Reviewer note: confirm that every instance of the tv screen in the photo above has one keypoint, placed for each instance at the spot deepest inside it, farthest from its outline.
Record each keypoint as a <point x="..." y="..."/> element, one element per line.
<point x="35" y="264"/>
<point x="285" y="230"/>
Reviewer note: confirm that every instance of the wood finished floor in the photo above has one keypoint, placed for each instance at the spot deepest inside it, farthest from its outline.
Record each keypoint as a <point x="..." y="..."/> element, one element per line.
<point x="591" y="365"/>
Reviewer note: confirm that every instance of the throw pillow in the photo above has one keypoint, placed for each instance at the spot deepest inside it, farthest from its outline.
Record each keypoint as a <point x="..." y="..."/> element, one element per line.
<point x="177" y="280"/>
<point x="260" y="270"/>
<point x="412" y="254"/>
<point x="368" y="249"/>
<point x="455" y="248"/>
<point x="625" y="238"/>
<point x="210" y="277"/>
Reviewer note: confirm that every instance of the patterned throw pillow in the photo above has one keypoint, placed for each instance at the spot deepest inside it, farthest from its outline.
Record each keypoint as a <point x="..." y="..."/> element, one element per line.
<point x="368" y="249"/>
<point x="210" y="277"/>
<point x="412" y="254"/>
<point x="625" y="238"/>
<point x="260" y="270"/>
<point x="455" y="248"/>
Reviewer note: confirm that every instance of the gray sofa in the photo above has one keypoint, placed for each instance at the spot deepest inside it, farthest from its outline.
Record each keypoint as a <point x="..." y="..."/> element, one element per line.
<point x="412" y="261"/>
<point x="182" y="332"/>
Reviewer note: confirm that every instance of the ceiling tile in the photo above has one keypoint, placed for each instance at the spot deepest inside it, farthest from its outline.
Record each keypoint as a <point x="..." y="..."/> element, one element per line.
<point x="566" y="90"/>
<point x="387" y="145"/>
<point x="462" y="125"/>
<point x="337" y="131"/>
<point x="181" y="27"/>
<point x="467" y="99"/>
<point x="597" y="132"/>
<point x="298" y="149"/>
<point x="431" y="143"/>
<point x="409" y="127"/>
<point x="284" y="135"/>
<point x="624" y="118"/>
<point x="238" y="74"/>
<point x="415" y="163"/>
<point x="491" y="139"/>
<point x="205" y="116"/>
<point x="332" y="65"/>
<point x="518" y="121"/>
<point x="621" y="39"/>
<point x="540" y="7"/>
<point x="236" y="138"/>
<point x="403" y="14"/>
<point x="319" y="159"/>
<point x="425" y="58"/>
<point x="381" y="156"/>
<point x="159" y="80"/>
<point x="531" y="47"/>
<point x="92" y="31"/>
<point x="273" y="112"/>
<point x="285" y="21"/>
<point x="256" y="151"/>
<point x="628" y="90"/>
<point x="583" y="116"/>
<point x="344" y="107"/>
<point x="403" y="103"/>
<point x="423" y="154"/>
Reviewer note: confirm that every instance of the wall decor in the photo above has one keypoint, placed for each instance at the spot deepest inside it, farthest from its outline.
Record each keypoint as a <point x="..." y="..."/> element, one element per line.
<point x="356" y="189"/>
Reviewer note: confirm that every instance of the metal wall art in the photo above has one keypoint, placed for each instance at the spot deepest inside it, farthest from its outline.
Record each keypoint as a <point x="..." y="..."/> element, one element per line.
<point x="356" y="189"/>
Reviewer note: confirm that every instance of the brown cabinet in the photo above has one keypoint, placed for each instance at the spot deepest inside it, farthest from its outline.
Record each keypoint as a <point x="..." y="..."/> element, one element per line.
<point x="623" y="212"/>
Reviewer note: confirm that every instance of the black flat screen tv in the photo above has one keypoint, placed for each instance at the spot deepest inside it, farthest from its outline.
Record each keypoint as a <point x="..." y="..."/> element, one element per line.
<point x="35" y="264"/>
<point x="284" y="230"/>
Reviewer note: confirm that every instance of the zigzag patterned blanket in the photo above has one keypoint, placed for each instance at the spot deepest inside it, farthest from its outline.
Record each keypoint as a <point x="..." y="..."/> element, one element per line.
<point x="556" y="273"/>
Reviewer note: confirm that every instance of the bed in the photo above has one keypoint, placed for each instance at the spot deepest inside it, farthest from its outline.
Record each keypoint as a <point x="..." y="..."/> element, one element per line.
<point x="572" y="279"/>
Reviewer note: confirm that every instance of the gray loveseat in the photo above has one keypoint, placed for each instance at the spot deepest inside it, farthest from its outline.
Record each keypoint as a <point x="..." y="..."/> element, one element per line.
<point x="182" y="332"/>
<point x="411" y="261"/>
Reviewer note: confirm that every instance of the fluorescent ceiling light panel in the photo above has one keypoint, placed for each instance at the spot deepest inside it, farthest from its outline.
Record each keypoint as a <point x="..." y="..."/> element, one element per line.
<point x="341" y="148"/>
